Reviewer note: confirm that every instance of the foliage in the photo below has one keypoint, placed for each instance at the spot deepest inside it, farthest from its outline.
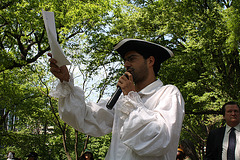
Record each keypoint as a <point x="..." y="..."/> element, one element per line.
<point x="99" y="146"/>
<point x="24" y="111"/>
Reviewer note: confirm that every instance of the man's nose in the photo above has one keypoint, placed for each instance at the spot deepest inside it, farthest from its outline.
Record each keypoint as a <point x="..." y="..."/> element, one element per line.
<point x="233" y="112"/>
<point x="127" y="64"/>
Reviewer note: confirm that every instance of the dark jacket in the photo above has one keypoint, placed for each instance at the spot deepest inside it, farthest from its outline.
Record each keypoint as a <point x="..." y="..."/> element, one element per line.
<point x="214" y="144"/>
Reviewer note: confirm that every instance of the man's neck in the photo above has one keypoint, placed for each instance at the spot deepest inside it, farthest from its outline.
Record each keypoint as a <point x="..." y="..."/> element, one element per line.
<point x="141" y="85"/>
<point x="233" y="124"/>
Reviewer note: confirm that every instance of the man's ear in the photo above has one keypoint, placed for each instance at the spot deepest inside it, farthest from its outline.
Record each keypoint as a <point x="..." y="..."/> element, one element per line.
<point x="223" y="117"/>
<point x="151" y="60"/>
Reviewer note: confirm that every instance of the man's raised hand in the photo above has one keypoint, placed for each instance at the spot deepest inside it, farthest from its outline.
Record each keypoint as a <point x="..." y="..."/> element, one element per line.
<point x="60" y="72"/>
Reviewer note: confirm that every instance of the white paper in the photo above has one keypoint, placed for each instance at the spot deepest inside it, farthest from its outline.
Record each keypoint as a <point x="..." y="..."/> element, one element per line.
<point x="56" y="50"/>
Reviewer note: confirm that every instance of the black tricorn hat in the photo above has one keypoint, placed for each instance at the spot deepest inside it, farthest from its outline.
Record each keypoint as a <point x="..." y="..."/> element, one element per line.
<point x="144" y="48"/>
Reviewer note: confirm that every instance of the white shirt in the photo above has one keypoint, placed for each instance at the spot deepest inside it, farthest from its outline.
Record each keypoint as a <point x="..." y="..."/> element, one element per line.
<point x="144" y="125"/>
<point x="226" y="139"/>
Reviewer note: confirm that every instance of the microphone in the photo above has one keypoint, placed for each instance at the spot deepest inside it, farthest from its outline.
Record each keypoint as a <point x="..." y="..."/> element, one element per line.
<point x="114" y="97"/>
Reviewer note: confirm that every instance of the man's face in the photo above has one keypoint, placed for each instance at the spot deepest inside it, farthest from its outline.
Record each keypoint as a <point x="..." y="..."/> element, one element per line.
<point x="232" y="116"/>
<point x="136" y="65"/>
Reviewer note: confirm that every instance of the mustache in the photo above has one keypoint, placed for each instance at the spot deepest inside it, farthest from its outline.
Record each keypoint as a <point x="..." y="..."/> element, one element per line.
<point x="130" y="70"/>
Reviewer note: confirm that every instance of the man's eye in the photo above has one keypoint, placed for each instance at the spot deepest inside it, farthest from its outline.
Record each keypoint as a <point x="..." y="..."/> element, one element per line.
<point x="130" y="59"/>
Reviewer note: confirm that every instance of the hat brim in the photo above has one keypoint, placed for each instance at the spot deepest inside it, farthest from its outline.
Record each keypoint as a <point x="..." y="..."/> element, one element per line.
<point x="144" y="48"/>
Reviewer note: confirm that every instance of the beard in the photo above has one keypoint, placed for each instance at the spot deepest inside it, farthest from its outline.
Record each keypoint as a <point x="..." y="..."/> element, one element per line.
<point x="139" y="74"/>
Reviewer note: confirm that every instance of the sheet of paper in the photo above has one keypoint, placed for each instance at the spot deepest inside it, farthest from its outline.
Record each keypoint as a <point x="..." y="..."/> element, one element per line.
<point x="56" y="49"/>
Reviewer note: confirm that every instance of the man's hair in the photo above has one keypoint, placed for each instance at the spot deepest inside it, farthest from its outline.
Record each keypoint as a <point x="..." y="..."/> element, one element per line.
<point x="156" y="65"/>
<point x="228" y="103"/>
<point x="181" y="156"/>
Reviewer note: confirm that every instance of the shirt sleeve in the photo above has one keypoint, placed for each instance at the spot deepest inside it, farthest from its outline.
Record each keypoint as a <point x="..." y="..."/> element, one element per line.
<point x="90" y="118"/>
<point x="152" y="132"/>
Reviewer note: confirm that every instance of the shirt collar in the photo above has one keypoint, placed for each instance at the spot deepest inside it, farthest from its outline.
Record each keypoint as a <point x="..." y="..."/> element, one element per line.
<point x="237" y="127"/>
<point x="151" y="88"/>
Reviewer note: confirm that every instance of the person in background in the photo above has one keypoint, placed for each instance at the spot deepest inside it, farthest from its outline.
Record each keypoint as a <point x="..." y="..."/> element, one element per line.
<point x="87" y="156"/>
<point x="10" y="155"/>
<point x="180" y="154"/>
<point x="146" y="120"/>
<point x="224" y="143"/>
<point x="189" y="150"/>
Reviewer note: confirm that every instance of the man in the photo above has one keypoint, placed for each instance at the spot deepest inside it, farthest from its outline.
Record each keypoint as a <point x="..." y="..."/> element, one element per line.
<point x="218" y="139"/>
<point x="146" y="120"/>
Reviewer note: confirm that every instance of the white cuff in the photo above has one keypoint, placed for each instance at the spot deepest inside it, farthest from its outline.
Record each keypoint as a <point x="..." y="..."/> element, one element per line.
<point x="62" y="89"/>
<point x="130" y="103"/>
